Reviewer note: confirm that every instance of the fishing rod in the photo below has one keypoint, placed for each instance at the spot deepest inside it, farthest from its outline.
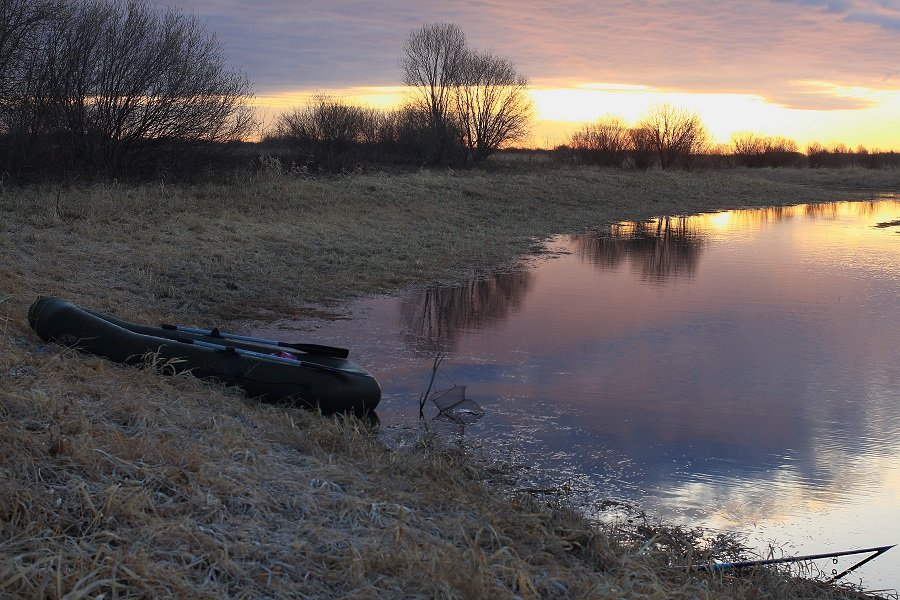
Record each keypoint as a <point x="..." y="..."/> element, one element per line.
<point x="215" y="333"/>
<point x="746" y="564"/>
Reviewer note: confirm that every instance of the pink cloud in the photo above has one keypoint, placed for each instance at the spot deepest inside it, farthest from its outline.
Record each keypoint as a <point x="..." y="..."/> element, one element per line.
<point x="678" y="45"/>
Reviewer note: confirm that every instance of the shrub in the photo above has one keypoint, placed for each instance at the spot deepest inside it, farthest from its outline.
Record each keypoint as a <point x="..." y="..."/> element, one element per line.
<point x="110" y="86"/>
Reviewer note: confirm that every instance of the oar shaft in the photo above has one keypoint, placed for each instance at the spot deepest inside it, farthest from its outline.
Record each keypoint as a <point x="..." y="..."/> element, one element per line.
<point x="243" y="352"/>
<point x="228" y="336"/>
<point x="254" y="354"/>
<point x="310" y="348"/>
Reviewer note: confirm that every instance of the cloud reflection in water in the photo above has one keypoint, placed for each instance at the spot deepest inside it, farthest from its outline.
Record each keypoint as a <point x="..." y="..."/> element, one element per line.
<point x="735" y="369"/>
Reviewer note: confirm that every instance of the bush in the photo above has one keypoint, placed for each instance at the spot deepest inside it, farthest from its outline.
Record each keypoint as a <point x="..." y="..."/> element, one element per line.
<point x="675" y="135"/>
<point x="605" y="142"/>
<point x="752" y="150"/>
<point x="329" y="135"/>
<point x="111" y="87"/>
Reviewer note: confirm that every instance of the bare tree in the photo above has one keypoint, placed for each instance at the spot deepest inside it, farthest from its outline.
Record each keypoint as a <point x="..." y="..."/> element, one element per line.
<point x="154" y="76"/>
<point x="109" y="79"/>
<point x="404" y="135"/>
<point x="26" y="89"/>
<point x="675" y="135"/>
<point x="492" y="104"/>
<point x="837" y="156"/>
<point x="21" y="22"/>
<point x="325" y="119"/>
<point x="432" y="59"/>
<point x="605" y="142"/>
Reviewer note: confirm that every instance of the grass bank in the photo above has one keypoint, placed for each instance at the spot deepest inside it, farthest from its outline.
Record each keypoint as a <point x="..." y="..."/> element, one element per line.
<point x="119" y="482"/>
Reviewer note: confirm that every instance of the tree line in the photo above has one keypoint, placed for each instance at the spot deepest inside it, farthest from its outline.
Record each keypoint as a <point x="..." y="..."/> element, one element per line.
<point x="463" y="106"/>
<point x="665" y="135"/>
<point x="669" y="137"/>
<point x="105" y="87"/>
<point x="102" y="86"/>
<point x="110" y="88"/>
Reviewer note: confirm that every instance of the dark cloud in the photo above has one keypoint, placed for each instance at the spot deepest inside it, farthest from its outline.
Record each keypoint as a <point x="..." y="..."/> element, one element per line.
<point x="734" y="46"/>
<point x="882" y="13"/>
<point x="287" y="45"/>
<point x="889" y="22"/>
<point x="819" y="101"/>
<point x="829" y="5"/>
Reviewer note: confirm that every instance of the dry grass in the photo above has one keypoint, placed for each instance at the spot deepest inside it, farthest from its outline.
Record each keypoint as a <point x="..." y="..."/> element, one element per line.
<point x="851" y="178"/>
<point x="274" y="245"/>
<point x="117" y="483"/>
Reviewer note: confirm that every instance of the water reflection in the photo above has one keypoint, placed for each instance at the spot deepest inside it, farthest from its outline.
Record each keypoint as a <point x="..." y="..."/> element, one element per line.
<point x="834" y="210"/>
<point x="754" y="386"/>
<point x="433" y="319"/>
<point x="657" y="249"/>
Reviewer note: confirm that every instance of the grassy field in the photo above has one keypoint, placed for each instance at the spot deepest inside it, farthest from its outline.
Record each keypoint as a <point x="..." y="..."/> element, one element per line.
<point x="121" y="483"/>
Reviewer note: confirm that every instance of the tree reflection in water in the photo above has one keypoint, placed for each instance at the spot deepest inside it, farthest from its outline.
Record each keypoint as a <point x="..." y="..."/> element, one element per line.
<point x="658" y="249"/>
<point x="433" y="318"/>
<point x="758" y="392"/>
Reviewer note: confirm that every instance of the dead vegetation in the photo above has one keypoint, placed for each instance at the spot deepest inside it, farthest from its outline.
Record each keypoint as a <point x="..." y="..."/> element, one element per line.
<point x="118" y="483"/>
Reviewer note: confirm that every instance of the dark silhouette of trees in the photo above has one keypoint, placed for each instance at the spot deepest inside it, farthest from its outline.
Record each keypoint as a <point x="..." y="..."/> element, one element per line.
<point x="674" y="134"/>
<point x="838" y="156"/>
<point x="492" y="104"/>
<point x="403" y="136"/>
<point x="474" y="102"/>
<point x="328" y="132"/>
<point x="753" y="150"/>
<point x="19" y="22"/>
<point x="605" y="142"/>
<point x="671" y="137"/>
<point x="110" y="85"/>
<point x="463" y="107"/>
<point x="330" y="135"/>
<point x="432" y="62"/>
<point x="643" y="150"/>
<point x="21" y="25"/>
<point x="666" y="136"/>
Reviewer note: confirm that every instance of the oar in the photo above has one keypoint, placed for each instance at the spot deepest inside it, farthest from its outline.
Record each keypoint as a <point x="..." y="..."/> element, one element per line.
<point x="790" y="559"/>
<point x="311" y="348"/>
<point x="242" y="352"/>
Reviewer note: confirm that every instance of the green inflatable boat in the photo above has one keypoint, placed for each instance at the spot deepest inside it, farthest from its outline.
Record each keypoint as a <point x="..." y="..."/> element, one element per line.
<point x="310" y="375"/>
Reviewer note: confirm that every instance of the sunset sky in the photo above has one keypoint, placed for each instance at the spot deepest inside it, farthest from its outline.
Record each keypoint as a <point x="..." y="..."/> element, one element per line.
<point x="812" y="70"/>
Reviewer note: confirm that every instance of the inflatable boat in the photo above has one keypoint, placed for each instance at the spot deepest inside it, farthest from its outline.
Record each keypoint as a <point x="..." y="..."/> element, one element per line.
<point x="309" y="375"/>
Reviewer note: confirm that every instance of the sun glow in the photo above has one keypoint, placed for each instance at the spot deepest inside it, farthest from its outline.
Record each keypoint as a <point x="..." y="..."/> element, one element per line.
<point x="560" y="111"/>
<point x="875" y="124"/>
<point x="723" y="114"/>
<point x="385" y="97"/>
<point x="720" y="220"/>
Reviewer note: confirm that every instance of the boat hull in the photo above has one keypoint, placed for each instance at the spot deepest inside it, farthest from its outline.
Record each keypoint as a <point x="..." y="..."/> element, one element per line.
<point x="313" y="381"/>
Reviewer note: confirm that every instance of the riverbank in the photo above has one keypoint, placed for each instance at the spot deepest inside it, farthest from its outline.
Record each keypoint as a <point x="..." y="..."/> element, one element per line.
<point x="118" y="481"/>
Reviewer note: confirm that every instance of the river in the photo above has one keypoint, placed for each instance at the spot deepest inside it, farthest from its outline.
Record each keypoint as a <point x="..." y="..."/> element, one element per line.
<point x="738" y="371"/>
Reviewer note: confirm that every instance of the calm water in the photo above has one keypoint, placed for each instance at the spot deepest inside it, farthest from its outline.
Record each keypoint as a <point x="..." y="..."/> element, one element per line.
<point x="738" y="371"/>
